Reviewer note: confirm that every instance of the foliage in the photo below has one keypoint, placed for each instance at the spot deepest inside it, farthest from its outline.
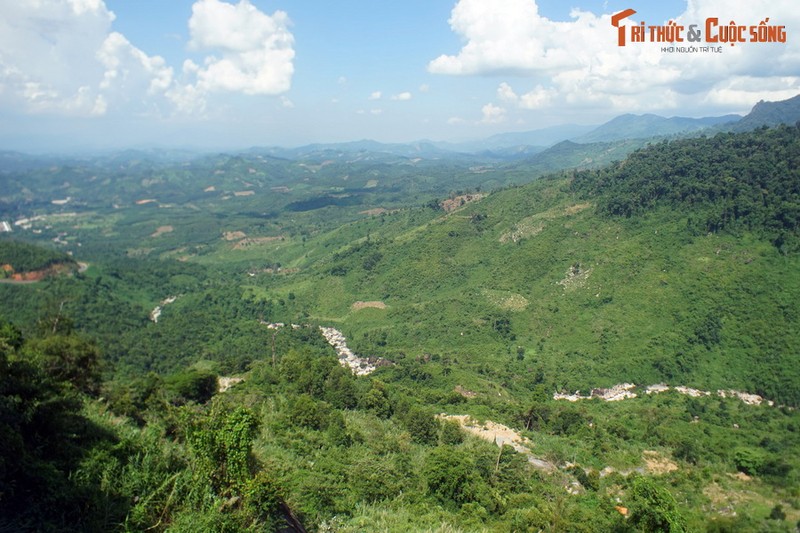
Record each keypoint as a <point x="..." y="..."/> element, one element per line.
<point x="25" y="257"/>
<point x="736" y="181"/>
<point x="653" y="508"/>
<point x="660" y="268"/>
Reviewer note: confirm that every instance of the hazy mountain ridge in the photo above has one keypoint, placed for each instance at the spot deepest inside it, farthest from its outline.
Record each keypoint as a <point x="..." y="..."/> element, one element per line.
<point x="646" y="126"/>
<point x="504" y="146"/>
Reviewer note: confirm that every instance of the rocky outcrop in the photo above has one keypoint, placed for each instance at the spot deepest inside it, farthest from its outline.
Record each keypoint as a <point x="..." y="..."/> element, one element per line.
<point x="155" y="314"/>
<point x="625" y="390"/>
<point x="360" y="366"/>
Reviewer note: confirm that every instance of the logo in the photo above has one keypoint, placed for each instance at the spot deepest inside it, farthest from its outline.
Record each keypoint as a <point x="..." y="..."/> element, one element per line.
<point x="710" y="32"/>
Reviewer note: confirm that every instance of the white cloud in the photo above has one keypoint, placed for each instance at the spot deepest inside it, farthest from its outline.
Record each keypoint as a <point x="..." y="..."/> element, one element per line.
<point x="493" y="114"/>
<point x="125" y="65"/>
<point x="376" y="95"/>
<point x="402" y="96"/>
<point x="578" y="63"/>
<point x="506" y="93"/>
<point x="256" y="49"/>
<point x="456" y="121"/>
<point x="63" y="57"/>
<point x="537" y="98"/>
<point x="44" y="47"/>
<point x="424" y="88"/>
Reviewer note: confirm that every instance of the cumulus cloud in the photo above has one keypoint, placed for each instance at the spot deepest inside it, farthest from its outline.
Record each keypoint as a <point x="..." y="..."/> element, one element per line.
<point x="578" y="62"/>
<point x="506" y="93"/>
<point x="402" y="96"/>
<point x="39" y="45"/>
<point x="376" y="95"/>
<point x="493" y="114"/>
<point x="63" y="57"/>
<point x="256" y="50"/>
<point x="129" y="70"/>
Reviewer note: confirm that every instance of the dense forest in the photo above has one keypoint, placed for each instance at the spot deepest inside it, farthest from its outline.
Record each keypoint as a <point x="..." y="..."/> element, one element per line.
<point x="182" y="381"/>
<point x="731" y="182"/>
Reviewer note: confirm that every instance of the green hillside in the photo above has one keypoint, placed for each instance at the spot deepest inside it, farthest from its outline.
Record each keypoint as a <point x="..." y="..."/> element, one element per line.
<point x="624" y="274"/>
<point x="677" y="266"/>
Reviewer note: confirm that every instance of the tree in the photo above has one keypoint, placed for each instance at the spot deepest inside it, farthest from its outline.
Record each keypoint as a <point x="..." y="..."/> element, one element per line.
<point x="653" y="508"/>
<point x="196" y="384"/>
<point x="375" y="400"/>
<point x="451" y="475"/>
<point x="422" y="425"/>
<point x="70" y="359"/>
<point x="220" y="443"/>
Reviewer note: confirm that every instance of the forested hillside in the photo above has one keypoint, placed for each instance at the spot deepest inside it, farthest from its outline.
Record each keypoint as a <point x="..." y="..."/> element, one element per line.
<point x="197" y="376"/>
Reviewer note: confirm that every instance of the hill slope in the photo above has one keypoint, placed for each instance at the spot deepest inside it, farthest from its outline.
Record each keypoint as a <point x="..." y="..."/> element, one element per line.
<point x="678" y="264"/>
<point x="770" y="114"/>
<point x="678" y="288"/>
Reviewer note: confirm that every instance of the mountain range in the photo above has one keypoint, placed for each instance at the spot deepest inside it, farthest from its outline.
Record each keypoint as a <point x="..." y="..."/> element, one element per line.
<point x="525" y="144"/>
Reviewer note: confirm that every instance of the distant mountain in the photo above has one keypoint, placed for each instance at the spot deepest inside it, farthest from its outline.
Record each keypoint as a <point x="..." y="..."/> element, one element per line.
<point x="424" y="149"/>
<point x="770" y="114"/>
<point x="645" y="126"/>
<point x="569" y="154"/>
<point x="513" y="142"/>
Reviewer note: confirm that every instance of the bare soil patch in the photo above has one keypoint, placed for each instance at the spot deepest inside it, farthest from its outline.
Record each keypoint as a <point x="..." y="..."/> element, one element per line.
<point x="34" y="275"/>
<point x="372" y="212"/>
<point x="234" y="235"/>
<point x="451" y="204"/>
<point x="509" y="301"/>
<point x="364" y="305"/>
<point x="500" y="435"/>
<point x="577" y="208"/>
<point x="657" y="463"/>
<point x="161" y="230"/>
<point x="527" y="227"/>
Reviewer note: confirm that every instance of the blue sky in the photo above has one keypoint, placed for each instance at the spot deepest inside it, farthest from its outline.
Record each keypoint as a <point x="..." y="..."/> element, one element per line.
<point x="87" y="74"/>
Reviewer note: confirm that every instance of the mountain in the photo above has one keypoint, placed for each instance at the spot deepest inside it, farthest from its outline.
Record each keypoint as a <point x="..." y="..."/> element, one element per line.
<point x="512" y="142"/>
<point x="571" y="155"/>
<point x="362" y="149"/>
<point x="770" y="114"/>
<point x="645" y="126"/>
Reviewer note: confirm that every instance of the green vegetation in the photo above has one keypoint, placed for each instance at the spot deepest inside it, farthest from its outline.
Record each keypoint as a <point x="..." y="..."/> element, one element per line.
<point x="118" y="404"/>
<point x="25" y="257"/>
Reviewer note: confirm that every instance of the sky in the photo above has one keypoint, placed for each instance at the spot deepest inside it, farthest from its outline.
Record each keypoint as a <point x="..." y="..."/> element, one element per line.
<point x="217" y="74"/>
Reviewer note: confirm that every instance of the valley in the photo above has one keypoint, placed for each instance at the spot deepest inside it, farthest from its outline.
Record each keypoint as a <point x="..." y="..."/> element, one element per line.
<point x="600" y="334"/>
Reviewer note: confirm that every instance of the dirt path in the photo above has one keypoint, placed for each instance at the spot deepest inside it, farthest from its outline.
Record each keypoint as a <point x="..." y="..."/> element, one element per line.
<point x="500" y="435"/>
